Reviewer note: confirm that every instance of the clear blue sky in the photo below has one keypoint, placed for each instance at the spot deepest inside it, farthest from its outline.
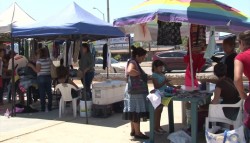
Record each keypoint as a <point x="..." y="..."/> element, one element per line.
<point x="41" y="9"/>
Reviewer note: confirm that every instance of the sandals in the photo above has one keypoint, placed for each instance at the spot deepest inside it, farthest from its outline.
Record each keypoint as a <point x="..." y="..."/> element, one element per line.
<point x="141" y="136"/>
<point x="160" y="131"/>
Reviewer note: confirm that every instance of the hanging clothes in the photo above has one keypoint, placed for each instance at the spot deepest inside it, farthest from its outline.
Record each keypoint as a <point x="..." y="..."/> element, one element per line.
<point x="56" y="49"/>
<point x="169" y="33"/>
<point x="198" y="62"/>
<point x="77" y="47"/>
<point x="211" y="44"/>
<point x="104" y="55"/>
<point x="142" y="33"/>
<point x="198" y="37"/>
<point x="68" y="52"/>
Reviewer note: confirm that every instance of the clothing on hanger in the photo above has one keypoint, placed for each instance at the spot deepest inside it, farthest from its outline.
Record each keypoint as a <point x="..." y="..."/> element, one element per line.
<point x="77" y="50"/>
<point x="142" y="33"/>
<point x="169" y="33"/>
<point x="105" y="55"/>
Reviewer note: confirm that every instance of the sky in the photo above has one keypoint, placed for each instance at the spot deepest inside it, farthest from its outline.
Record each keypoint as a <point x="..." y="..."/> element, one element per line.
<point x="42" y="9"/>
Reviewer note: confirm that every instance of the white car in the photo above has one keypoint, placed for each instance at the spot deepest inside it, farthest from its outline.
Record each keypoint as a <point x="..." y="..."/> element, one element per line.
<point x="117" y="67"/>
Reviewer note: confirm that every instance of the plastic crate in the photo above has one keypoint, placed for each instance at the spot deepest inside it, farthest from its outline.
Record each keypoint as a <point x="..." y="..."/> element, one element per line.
<point x="101" y="111"/>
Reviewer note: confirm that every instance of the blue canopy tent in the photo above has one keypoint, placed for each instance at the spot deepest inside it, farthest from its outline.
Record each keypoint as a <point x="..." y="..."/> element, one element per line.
<point x="72" y="22"/>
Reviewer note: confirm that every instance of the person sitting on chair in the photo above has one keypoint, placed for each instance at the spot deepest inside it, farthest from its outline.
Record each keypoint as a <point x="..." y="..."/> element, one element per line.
<point x="63" y="77"/>
<point x="226" y="91"/>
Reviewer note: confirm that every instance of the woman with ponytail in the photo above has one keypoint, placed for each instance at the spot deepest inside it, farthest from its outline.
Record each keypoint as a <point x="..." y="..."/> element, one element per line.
<point x="135" y="105"/>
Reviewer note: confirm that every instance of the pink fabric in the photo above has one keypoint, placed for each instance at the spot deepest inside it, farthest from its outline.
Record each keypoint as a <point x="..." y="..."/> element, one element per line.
<point x="244" y="58"/>
<point x="198" y="62"/>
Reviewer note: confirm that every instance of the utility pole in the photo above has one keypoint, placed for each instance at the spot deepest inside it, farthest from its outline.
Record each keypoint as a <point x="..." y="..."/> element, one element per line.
<point x="108" y="10"/>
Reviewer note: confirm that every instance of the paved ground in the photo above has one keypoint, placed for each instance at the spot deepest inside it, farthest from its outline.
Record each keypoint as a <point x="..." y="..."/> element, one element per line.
<point x="48" y="128"/>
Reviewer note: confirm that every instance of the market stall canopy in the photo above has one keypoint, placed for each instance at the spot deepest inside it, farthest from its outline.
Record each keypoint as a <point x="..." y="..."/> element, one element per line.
<point x="14" y="16"/>
<point x="71" y="21"/>
<point x="203" y="12"/>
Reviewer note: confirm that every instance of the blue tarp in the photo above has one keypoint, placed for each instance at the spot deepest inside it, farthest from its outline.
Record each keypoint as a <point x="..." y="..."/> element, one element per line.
<point x="73" y="20"/>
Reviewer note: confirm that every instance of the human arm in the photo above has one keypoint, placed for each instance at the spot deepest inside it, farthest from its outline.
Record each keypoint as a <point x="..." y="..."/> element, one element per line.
<point x="72" y="83"/>
<point x="217" y="93"/>
<point x="36" y="68"/>
<point x="170" y="85"/>
<point x="238" y="72"/>
<point x="131" y="70"/>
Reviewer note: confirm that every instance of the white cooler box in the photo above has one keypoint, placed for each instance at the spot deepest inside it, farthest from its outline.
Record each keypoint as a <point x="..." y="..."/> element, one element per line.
<point x="108" y="92"/>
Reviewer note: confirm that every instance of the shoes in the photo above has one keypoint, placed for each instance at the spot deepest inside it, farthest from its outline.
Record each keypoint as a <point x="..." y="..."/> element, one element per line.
<point x="141" y="136"/>
<point x="160" y="131"/>
<point x="132" y="134"/>
<point x="163" y="131"/>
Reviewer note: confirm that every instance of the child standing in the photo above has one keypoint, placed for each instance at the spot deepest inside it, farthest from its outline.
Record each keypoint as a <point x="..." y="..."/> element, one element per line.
<point x="160" y="83"/>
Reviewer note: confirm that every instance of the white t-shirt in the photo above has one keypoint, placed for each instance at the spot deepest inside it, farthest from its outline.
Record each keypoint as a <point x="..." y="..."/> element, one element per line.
<point x="19" y="60"/>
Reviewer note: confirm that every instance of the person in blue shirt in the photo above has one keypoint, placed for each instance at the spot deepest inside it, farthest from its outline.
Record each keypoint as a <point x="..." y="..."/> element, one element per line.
<point x="160" y="83"/>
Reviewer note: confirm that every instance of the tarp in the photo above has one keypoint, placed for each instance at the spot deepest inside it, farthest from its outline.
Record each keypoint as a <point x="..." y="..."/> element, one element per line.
<point x="73" y="20"/>
<point x="14" y="14"/>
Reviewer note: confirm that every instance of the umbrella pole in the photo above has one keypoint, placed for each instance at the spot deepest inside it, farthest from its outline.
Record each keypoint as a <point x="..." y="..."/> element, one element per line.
<point x="129" y="45"/>
<point x="191" y="62"/>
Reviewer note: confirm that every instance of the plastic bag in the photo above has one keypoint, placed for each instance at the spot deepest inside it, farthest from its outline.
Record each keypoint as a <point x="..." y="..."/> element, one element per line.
<point x="233" y="136"/>
<point x="180" y="137"/>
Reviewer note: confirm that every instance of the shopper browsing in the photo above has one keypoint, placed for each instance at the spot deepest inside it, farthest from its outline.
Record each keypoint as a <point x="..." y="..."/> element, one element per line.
<point x="160" y="83"/>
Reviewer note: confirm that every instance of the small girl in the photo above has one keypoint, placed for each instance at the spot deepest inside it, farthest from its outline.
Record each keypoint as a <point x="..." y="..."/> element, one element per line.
<point x="160" y="83"/>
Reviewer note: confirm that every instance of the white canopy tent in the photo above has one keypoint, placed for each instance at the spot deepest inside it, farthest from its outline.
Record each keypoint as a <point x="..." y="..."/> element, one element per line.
<point x="14" y="16"/>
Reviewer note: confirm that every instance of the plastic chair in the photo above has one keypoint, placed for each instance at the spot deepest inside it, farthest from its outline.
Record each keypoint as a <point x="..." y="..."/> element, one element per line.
<point x="216" y="114"/>
<point x="65" y="90"/>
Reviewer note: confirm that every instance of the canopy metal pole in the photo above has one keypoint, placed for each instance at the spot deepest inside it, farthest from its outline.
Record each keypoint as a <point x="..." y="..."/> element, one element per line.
<point x="13" y="93"/>
<point x="129" y="45"/>
<point x="108" y="57"/>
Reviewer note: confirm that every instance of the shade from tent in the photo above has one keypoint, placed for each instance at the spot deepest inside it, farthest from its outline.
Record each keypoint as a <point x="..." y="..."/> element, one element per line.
<point x="73" y="20"/>
<point x="203" y="12"/>
<point x="15" y="16"/>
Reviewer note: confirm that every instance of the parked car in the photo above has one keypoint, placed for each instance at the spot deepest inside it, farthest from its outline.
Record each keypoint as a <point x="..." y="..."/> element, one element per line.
<point x="117" y="67"/>
<point x="174" y="60"/>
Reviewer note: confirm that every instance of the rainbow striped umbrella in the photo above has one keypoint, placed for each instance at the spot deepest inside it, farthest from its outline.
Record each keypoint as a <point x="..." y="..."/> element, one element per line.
<point x="204" y="12"/>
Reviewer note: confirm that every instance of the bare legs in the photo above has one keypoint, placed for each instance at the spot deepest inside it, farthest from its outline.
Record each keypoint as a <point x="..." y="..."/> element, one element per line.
<point x="158" y="112"/>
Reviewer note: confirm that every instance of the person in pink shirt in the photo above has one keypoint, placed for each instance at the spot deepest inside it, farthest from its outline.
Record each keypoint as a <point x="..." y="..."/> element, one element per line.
<point x="242" y="65"/>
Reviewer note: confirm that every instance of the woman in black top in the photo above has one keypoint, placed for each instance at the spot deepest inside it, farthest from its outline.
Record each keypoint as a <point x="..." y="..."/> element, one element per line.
<point x="229" y="45"/>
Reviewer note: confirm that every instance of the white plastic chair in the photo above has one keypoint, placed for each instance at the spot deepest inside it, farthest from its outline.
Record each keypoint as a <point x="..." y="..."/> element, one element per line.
<point x="216" y="114"/>
<point x="65" y="90"/>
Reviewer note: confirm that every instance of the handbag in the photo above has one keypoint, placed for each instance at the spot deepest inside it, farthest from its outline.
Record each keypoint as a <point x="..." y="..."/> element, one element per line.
<point x="233" y="136"/>
<point x="138" y="84"/>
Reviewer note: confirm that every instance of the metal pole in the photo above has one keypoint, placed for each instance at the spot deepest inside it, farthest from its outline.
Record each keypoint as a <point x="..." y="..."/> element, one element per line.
<point x="103" y="16"/>
<point x="108" y="10"/>
<point x="129" y="45"/>
<point x="13" y="93"/>
<point x="108" y="57"/>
